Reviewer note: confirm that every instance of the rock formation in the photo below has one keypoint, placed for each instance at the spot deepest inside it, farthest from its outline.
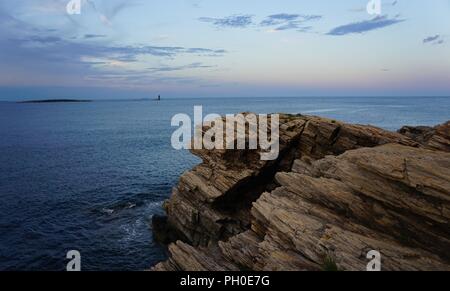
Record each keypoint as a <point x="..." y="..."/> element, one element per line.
<point x="336" y="192"/>
<point x="437" y="138"/>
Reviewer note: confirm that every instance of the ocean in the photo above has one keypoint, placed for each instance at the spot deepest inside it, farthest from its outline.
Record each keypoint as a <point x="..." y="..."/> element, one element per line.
<point x="89" y="176"/>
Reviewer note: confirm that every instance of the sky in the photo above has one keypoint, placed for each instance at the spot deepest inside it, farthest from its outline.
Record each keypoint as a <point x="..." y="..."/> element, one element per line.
<point x="128" y="49"/>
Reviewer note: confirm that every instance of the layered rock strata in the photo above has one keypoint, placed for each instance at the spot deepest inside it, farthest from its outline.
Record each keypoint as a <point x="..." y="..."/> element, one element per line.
<point x="336" y="192"/>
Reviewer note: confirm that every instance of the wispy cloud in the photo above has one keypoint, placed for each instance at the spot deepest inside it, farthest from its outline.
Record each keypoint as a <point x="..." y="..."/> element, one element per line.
<point x="72" y="49"/>
<point x="436" y="39"/>
<point x="197" y="65"/>
<point x="278" y="19"/>
<point x="431" y="39"/>
<point x="278" y="22"/>
<point x="50" y="54"/>
<point x="234" y="21"/>
<point x="283" y="18"/>
<point x="365" y="26"/>
<point x="285" y="21"/>
<point x="91" y="36"/>
<point x="43" y="39"/>
<point x="206" y="52"/>
<point x="108" y="10"/>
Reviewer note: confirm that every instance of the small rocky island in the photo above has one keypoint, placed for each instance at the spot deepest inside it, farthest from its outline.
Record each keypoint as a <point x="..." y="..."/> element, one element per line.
<point x="54" y="101"/>
<point x="336" y="192"/>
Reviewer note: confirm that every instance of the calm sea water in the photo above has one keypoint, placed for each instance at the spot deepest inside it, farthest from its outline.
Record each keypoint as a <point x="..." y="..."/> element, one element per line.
<point x="89" y="176"/>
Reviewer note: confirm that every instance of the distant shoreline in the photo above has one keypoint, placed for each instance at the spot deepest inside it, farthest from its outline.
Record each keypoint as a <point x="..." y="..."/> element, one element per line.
<point x="55" y="101"/>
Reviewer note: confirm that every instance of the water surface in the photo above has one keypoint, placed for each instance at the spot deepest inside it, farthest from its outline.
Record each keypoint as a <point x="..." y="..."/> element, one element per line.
<point x="89" y="176"/>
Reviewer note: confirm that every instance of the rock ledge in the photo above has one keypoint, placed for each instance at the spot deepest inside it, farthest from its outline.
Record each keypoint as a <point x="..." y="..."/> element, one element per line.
<point x="336" y="192"/>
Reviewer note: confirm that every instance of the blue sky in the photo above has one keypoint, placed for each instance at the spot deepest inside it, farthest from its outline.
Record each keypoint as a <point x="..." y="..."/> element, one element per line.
<point x="214" y="48"/>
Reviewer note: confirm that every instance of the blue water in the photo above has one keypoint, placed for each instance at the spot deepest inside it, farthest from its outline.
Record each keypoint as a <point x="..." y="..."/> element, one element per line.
<point x="89" y="176"/>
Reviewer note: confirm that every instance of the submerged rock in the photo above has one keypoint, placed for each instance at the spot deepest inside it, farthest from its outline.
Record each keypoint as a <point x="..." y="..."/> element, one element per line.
<point x="336" y="192"/>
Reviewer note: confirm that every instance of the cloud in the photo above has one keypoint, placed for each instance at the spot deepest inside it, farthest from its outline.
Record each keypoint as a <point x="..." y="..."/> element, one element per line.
<point x="431" y="38"/>
<point x="283" y="18"/>
<point x="234" y="21"/>
<point x="282" y="21"/>
<point x="44" y="39"/>
<point x="33" y="55"/>
<point x="203" y="51"/>
<point x="197" y="65"/>
<point x="278" y="19"/>
<point x="72" y="49"/>
<point x="285" y="21"/>
<point x="108" y="10"/>
<point x="139" y="78"/>
<point x="195" y="3"/>
<point x="90" y="36"/>
<point x="365" y="26"/>
<point x="437" y="39"/>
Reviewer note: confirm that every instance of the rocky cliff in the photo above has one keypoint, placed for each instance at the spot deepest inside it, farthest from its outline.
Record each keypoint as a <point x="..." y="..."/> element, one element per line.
<point x="336" y="192"/>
